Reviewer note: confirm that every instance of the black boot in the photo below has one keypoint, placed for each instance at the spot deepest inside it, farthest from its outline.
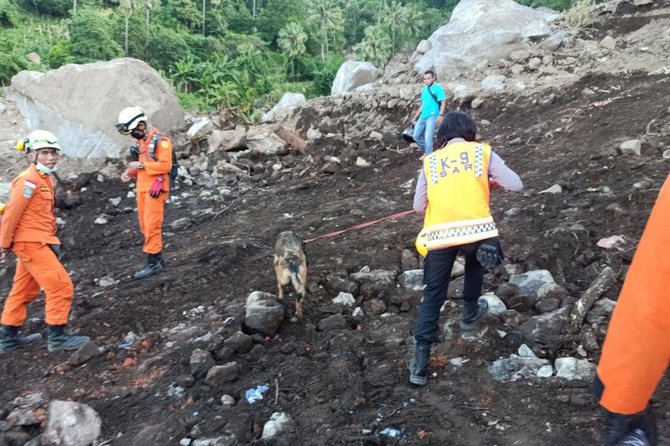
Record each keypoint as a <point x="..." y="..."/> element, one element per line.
<point x="472" y="312"/>
<point x="11" y="339"/>
<point x="155" y="264"/>
<point x="60" y="341"/>
<point x="418" y="367"/>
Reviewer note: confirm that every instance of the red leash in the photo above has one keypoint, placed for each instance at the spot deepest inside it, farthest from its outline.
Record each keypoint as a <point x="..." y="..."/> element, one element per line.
<point x="362" y="225"/>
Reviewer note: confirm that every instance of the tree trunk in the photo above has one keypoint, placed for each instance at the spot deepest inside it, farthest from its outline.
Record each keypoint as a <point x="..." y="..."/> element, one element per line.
<point x="126" y="37"/>
<point x="74" y="12"/>
<point x="203" y="16"/>
<point x="602" y="283"/>
<point x="290" y="137"/>
<point x="148" y="24"/>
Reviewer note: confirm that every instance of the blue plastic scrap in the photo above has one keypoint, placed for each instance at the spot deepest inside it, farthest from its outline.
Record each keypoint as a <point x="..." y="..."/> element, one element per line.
<point x="253" y="395"/>
<point x="391" y="432"/>
<point x="125" y="345"/>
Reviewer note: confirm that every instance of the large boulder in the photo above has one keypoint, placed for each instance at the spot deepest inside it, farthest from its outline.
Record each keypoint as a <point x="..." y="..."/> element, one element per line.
<point x="285" y="107"/>
<point x="72" y="424"/>
<point x="483" y="30"/>
<point x="352" y="74"/>
<point x="81" y="103"/>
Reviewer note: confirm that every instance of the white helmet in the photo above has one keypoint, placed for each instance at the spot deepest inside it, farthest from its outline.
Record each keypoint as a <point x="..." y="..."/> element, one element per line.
<point x="129" y="118"/>
<point x="38" y="139"/>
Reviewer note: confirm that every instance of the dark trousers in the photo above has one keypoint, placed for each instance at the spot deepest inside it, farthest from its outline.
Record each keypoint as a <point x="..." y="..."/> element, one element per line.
<point x="436" y="276"/>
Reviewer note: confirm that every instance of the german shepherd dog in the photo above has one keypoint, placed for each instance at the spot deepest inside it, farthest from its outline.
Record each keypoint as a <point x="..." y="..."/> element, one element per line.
<point x="290" y="266"/>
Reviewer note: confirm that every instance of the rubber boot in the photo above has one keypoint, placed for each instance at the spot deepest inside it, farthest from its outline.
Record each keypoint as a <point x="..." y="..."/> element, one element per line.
<point x="418" y="367"/>
<point x="472" y="312"/>
<point x="11" y="339"/>
<point x="155" y="264"/>
<point x="60" y="341"/>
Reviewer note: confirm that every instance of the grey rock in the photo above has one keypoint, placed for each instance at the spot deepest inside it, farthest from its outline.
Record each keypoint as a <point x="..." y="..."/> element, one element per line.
<point x="512" y="318"/>
<point x="285" y="107"/>
<point x="601" y="311"/>
<point x="226" y="440"/>
<point x="239" y="342"/>
<point x="60" y="100"/>
<point x="545" y="325"/>
<point x="516" y="367"/>
<point x="496" y="305"/>
<point x="573" y="368"/>
<point x="547" y="305"/>
<point x="482" y="29"/>
<point x="338" y="285"/>
<point x="181" y="224"/>
<point x="345" y="299"/>
<point x="226" y="140"/>
<point x="219" y="375"/>
<point x="380" y="277"/>
<point x="201" y="361"/>
<point x="374" y="307"/>
<point x="332" y="322"/>
<point x="276" y="425"/>
<point x="351" y="75"/>
<point x="408" y="260"/>
<point x="263" y="314"/>
<point x="631" y="147"/>
<point x="530" y="282"/>
<point x="200" y="129"/>
<point x="71" y="424"/>
<point x="84" y="354"/>
<point x="494" y="82"/>
<point x="412" y="279"/>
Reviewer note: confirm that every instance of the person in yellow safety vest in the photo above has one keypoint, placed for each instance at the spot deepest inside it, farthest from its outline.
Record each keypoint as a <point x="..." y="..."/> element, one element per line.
<point x="636" y="351"/>
<point x="452" y="192"/>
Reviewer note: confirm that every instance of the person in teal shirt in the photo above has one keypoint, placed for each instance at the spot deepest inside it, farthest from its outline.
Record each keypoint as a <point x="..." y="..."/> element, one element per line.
<point x="429" y="115"/>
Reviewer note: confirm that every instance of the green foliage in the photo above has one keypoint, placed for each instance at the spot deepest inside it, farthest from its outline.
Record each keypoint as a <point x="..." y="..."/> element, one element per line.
<point x="375" y="46"/>
<point x="55" y="8"/>
<point x="59" y="54"/>
<point x="249" y="51"/>
<point x="292" y="42"/>
<point x="325" y="75"/>
<point x="91" y="37"/>
<point x="10" y="64"/>
<point x="165" y="48"/>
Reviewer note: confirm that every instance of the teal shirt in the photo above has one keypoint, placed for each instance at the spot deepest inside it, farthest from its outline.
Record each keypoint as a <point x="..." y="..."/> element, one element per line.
<point x="430" y="105"/>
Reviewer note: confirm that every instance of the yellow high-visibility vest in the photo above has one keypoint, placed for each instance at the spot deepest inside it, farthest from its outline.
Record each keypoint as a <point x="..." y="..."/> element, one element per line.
<point x="458" y="197"/>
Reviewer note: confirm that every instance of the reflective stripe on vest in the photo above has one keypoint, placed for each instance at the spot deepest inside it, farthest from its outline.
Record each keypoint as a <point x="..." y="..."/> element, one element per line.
<point x="458" y="196"/>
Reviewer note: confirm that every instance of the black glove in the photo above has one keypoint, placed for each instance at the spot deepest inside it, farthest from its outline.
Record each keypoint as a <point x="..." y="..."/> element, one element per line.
<point x="489" y="253"/>
<point x="617" y="426"/>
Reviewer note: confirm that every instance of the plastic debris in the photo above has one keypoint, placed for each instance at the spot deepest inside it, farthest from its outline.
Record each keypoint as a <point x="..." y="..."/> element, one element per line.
<point x="253" y="395"/>
<point x="611" y="242"/>
<point x="391" y="432"/>
<point x="125" y="345"/>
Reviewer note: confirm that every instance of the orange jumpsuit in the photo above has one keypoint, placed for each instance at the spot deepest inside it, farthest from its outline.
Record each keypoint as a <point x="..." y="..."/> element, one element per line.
<point x="29" y="227"/>
<point x="636" y="351"/>
<point x="149" y="209"/>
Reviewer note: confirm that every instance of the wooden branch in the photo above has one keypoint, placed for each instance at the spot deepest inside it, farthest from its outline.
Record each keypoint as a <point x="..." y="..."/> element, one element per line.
<point x="602" y="283"/>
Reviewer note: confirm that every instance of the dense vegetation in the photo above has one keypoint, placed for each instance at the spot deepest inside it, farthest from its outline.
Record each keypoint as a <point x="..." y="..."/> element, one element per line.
<point x="220" y="53"/>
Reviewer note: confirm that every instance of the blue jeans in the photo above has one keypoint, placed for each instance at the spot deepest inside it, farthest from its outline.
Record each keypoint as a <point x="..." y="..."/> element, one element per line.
<point x="436" y="276"/>
<point x="424" y="131"/>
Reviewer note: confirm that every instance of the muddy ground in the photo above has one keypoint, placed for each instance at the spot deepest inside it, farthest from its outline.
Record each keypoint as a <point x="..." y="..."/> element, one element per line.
<point x="345" y="386"/>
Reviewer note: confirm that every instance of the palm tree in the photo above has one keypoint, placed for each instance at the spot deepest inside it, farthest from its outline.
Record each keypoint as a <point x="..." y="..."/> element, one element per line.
<point x="151" y="4"/>
<point x="396" y="16"/>
<point x="292" y="41"/>
<point x="375" y="46"/>
<point x="328" y="17"/>
<point x="127" y="7"/>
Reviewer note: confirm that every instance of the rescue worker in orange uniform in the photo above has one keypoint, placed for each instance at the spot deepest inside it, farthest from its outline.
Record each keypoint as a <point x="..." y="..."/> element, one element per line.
<point x="151" y="162"/>
<point x="29" y="229"/>
<point x="453" y="192"/>
<point x="636" y="351"/>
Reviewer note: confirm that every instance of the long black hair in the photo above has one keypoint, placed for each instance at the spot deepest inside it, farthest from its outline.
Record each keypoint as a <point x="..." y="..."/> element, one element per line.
<point x="456" y="125"/>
